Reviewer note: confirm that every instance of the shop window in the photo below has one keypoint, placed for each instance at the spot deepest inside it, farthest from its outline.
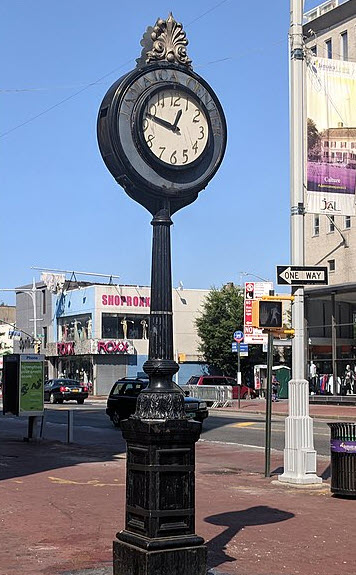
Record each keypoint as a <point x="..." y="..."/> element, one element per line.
<point x="75" y="328"/>
<point x="119" y="326"/>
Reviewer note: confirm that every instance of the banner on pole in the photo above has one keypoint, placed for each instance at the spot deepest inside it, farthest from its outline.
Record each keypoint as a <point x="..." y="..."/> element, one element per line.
<point x="331" y="137"/>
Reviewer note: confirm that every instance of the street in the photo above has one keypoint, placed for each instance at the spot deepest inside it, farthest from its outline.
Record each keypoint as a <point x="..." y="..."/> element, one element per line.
<point x="92" y="426"/>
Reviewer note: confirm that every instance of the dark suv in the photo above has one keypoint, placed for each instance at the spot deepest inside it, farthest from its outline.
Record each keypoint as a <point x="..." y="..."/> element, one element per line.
<point x="222" y="380"/>
<point x="122" y="401"/>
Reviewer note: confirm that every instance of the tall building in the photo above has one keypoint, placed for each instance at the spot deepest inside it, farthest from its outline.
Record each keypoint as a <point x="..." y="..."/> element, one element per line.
<point x="330" y="240"/>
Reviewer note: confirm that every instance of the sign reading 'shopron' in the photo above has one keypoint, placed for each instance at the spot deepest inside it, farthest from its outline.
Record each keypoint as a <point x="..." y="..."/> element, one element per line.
<point x="128" y="300"/>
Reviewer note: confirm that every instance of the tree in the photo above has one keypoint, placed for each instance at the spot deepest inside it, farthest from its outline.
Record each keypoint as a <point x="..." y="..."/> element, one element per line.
<point x="221" y="316"/>
<point x="314" y="141"/>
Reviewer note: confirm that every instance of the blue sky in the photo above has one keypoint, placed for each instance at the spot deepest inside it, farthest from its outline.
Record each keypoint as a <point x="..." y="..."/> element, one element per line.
<point x="60" y="206"/>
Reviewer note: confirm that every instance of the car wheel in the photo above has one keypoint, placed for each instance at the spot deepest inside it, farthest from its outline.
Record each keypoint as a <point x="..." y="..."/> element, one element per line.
<point x="245" y="395"/>
<point x="115" y="419"/>
<point x="51" y="398"/>
<point x="80" y="401"/>
<point x="60" y="400"/>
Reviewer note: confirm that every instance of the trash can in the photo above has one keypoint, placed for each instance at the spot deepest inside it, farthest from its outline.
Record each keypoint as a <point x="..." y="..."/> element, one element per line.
<point x="343" y="458"/>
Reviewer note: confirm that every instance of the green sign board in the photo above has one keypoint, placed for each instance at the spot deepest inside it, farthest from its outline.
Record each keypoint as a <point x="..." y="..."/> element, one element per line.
<point x="31" y="385"/>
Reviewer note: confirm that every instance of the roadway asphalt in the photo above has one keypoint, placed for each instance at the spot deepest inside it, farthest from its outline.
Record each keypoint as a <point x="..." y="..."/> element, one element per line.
<point x="62" y="505"/>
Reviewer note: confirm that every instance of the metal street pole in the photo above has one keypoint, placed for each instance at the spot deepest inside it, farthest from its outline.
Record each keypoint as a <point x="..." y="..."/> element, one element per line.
<point x="268" y="406"/>
<point x="299" y="453"/>
<point x="32" y="293"/>
<point x="238" y="376"/>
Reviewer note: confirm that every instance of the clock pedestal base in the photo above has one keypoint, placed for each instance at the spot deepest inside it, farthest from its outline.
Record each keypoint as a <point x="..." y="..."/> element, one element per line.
<point x="159" y="537"/>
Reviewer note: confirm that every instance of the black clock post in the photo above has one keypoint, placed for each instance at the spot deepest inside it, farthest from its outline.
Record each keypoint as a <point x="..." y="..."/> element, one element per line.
<point x="163" y="161"/>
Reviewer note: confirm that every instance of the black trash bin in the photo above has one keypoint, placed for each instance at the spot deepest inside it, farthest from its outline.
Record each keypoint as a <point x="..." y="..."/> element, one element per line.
<point x="343" y="458"/>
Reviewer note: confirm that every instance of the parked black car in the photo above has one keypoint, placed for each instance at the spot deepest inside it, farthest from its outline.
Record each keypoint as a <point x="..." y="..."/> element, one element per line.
<point x="59" y="390"/>
<point x="122" y="400"/>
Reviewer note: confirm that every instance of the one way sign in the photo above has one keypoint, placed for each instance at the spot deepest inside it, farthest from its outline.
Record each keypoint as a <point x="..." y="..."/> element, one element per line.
<point x="302" y="275"/>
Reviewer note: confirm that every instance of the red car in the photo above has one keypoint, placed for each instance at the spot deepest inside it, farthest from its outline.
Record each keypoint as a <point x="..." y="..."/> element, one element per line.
<point x="222" y="380"/>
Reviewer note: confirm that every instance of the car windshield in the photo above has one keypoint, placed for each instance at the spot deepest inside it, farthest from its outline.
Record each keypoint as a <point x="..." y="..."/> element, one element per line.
<point x="193" y="380"/>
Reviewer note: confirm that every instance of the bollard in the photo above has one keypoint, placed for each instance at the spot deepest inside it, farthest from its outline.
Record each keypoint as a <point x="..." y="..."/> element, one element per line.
<point x="70" y="421"/>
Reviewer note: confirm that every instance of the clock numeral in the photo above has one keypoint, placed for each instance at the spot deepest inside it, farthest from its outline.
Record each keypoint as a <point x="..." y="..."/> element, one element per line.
<point x="161" y="148"/>
<point x="173" y="158"/>
<point x="186" y="103"/>
<point x="153" y="110"/>
<point x="144" y="124"/>
<point x="185" y="156"/>
<point x="201" y="133"/>
<point x="176" y="102"/>
<point x="195" y="118"/>
<point x="195" y="147"/>
<point x="160" y="99"/>
<point x="149" y="140"/>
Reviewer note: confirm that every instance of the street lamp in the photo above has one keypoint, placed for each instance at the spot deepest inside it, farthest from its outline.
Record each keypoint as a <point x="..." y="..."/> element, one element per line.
<point x="32" y="293"/>
<point x="253" y="275"/>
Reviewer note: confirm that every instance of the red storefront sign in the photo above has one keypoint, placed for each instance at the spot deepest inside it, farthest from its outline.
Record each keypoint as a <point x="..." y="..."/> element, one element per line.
<point x="122" y="300"/>
<point x="65" y="348"/>
<point x="113" y="346"/>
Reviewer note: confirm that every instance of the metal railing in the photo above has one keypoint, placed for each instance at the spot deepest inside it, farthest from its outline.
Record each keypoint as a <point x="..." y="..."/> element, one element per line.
<point x="218" y="395"/>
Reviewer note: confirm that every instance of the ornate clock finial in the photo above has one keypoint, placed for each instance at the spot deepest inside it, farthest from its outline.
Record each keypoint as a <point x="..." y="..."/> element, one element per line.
<point x="166" y="41"/>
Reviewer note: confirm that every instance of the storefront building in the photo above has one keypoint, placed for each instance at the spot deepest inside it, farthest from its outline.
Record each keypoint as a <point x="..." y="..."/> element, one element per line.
<point x="100" y="333"/>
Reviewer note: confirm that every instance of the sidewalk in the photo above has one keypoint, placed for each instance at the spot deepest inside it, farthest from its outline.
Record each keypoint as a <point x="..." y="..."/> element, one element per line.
<point x="280" y="407"/>
<point x="61" y="506"/>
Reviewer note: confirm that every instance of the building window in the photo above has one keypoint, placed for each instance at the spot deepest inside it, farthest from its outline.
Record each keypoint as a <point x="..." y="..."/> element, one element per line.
<point x="316" y="226"/>
<point x="331" y="265"/>
<point x="344" y="47"/>
<point x="331" y="224"/>
<point x="347" y="222"/>
<point x="328" y="49"/>
<point x="117" y="326"/>
<point x="43" y="301"/>
<point x="45" y="336"/>
<point x="313" y="50"/>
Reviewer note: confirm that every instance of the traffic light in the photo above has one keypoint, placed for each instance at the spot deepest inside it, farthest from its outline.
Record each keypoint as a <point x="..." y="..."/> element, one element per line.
<point x="267" y="314"/>
<point x="37" y="346"/>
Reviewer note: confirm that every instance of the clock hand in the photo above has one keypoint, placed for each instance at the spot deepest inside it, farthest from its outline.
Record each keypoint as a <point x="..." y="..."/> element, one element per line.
<point x="160" y="121"/>
<point x="175" y="125"/>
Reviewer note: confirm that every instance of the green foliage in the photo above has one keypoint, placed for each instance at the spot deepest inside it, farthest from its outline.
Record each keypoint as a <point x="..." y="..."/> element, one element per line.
<point x="222" y="315"/>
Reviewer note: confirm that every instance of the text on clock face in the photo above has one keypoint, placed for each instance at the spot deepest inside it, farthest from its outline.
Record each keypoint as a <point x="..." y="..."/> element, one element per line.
<point x="175" y="127"/>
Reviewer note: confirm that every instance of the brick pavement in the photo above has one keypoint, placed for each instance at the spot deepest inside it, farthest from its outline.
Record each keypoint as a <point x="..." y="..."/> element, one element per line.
<point x="61" y="506"/>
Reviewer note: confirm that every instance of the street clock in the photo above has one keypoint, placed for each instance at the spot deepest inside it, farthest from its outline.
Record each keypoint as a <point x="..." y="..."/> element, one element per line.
<point x="161" y="128"/>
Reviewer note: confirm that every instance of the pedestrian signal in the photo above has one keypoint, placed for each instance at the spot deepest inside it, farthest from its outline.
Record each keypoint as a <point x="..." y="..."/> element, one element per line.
<point x="267" y="314"/>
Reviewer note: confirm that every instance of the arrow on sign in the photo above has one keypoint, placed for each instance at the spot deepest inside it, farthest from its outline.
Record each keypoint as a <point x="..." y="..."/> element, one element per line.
<point x="302" y="275"/>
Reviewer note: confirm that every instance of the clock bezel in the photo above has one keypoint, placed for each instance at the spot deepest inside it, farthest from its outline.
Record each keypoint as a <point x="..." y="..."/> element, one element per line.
<point x="139" y="134"/>
<point x="141" y="175"/>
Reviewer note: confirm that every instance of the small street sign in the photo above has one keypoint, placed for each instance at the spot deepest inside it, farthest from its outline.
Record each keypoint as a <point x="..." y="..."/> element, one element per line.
<point x="302" y="275"/>
<point x="238" y="336"/>
<point x="243" y="348"/>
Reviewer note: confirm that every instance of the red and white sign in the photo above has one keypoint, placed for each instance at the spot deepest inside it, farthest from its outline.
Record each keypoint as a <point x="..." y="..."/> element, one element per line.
<point x="114" y="346"/>
<point x="253" y="291"/>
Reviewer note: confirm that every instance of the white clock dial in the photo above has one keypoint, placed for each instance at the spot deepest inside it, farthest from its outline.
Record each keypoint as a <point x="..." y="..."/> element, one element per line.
<point x="175" y="127"/>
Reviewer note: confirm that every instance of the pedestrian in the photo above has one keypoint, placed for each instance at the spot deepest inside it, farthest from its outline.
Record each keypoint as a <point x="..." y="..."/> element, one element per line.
<point x="275" y="384"/>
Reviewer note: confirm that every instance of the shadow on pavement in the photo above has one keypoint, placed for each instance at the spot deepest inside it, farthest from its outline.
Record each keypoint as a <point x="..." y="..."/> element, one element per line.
<point x="326" y="474"/>
<point x="236" y="520"/>
<point x="19" y="458"/>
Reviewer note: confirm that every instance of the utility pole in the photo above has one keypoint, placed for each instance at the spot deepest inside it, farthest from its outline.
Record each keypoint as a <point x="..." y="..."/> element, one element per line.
<point x="299" y="453"/>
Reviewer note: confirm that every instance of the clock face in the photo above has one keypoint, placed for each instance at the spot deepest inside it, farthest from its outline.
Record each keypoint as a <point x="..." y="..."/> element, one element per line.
<point x="174" y="127"/>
